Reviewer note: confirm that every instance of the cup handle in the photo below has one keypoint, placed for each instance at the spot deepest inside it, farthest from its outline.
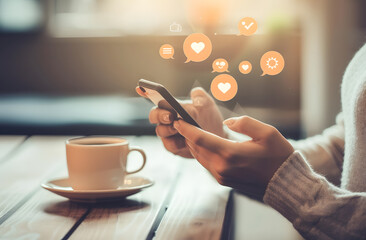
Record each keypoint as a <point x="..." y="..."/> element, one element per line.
<point x="143" y="159"/>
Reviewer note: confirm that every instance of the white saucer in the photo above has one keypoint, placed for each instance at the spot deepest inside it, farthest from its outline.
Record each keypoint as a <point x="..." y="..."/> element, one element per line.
<point x="132" y="185"/>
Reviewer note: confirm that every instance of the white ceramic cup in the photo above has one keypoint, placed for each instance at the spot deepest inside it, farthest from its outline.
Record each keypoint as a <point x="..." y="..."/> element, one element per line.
<point x="98" y="163"/>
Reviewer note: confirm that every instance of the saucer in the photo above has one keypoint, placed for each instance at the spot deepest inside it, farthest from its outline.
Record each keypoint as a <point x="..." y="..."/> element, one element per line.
<point x="132" y="185"/>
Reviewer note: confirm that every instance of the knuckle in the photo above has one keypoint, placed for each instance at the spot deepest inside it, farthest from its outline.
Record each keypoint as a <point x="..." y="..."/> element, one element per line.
<point x="222" y="180"/>
<point x="245" y="120"/>
<point x="197" y="140"/>
<point x="152" y="114"/>
<point x="164" y="131"/>
<point x="229" y="155"/>
<point x="271" y="132"/>
<point x="170" y="145"/>
<point x="221" y="169"/>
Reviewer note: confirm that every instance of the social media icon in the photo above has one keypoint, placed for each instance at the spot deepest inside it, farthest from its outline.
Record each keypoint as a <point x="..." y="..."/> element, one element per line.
<point x="272" y="63"/>
<point x="224" y="87"/>
<point x="197" y="47"/>
<point x="175" y="27"/>
<point x="247" y="26"/>
<point x="245" y="67"/>
<point x="220" y="65"/>
<point x="166" y="51"/>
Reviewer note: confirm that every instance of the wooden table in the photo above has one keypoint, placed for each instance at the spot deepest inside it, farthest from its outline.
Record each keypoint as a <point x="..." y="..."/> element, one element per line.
<point x="184" y="203"/>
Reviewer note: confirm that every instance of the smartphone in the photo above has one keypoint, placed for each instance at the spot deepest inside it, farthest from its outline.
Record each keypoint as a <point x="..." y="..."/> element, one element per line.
<point x="162" y="98"/>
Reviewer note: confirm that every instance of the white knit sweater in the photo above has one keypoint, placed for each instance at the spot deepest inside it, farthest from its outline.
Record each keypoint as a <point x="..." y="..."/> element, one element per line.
<point x="321" y="187"/>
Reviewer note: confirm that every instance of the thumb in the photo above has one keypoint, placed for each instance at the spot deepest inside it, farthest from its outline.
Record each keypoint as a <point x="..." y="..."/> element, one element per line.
<point x="201" y="98"/>
<point x="248" y="126"/>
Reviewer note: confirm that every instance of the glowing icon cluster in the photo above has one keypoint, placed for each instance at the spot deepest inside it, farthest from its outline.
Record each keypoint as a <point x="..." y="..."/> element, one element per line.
<point x="197" y="47"/>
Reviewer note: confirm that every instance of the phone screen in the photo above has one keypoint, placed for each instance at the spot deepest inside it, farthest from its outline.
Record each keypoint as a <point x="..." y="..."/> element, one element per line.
<point x="158" y="100"/>
<point x="161" y="97"/>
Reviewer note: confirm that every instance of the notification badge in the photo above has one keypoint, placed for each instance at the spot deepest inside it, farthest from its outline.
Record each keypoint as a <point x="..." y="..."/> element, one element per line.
<point x="197" y="47"/>
<point x="166" y="51"/>
<point x="272" y="63"/>
<point x="220" y="65"/>
<point x="247" y="26"/>
<point x="245" y="67"/>
<point x="224" y="87"/>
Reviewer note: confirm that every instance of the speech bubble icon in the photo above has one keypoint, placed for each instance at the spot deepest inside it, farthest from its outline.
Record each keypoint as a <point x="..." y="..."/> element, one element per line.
<point x="197" y="47"/>
<point x="220" y="65"/>
<point x="245" y="67"/>
<point x="224" y="87"/>
<point x="166" y="51"/>
<point x="247" y="26"/>
<point x="272" y="63"/>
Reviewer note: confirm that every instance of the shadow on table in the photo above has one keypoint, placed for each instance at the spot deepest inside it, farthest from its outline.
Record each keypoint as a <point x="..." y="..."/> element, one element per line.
<point x="77" y="210"/>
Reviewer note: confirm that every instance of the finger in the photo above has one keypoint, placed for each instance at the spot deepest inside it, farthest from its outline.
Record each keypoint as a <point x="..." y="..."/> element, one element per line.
<point x="165" y="130"/>
<point x="175" y="144"/>
<point x="140" y="92"/>
<point x="200" y="137"/>
<point x="197" y="154"/>
<point x="201" y="98"/>
<point x="248" y="126"/>
<point x="158" y="115"/>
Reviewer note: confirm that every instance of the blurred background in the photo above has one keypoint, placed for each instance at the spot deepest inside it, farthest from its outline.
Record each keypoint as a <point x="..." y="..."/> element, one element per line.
<point x="71" y="66"/>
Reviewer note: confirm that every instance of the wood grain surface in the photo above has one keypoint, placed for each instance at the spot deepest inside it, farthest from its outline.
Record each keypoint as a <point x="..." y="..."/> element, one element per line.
<point x="8" y="144"/>
<point x="197" y="209"/>
<point x="34" y="161"/>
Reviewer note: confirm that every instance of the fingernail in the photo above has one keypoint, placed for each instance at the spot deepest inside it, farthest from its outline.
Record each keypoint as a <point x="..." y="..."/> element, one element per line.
<point x="176" y="124"/>
<point x="229" y="121"/>
<point x="198" y="101"/>
<point x="166" y="117"/>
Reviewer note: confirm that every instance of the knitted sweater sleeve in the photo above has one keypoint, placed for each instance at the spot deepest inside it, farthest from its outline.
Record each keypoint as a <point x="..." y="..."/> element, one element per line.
<point x="325" y="152"/>
<point x="317" y="208"/>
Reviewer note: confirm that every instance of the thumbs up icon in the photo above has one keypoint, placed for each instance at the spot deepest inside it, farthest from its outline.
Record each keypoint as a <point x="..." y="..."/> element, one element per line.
<point x="175" y="27"/>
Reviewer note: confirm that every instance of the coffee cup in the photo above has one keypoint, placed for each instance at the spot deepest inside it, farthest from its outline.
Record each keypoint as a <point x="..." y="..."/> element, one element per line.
<point x="99" y="163"/>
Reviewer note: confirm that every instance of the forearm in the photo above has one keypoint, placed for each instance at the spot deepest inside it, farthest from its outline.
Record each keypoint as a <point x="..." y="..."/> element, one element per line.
<point x="317" y="209"/>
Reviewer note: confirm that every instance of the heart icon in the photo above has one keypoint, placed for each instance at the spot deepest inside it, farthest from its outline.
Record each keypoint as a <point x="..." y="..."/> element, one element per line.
<point x="245" y="67"/>
<point x="224" y="87"/>
<point x="198" y="46"/>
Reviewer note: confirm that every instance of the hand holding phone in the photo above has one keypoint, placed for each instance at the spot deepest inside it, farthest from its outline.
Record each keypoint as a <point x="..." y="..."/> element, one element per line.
<point x="202" y="108"/>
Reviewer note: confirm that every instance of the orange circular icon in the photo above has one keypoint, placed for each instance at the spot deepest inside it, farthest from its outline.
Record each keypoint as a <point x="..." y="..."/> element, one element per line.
<point x="224" y="87"/>
<point x="272" y="63"/>
<point x="197" y="47"/>
<point x="220" y="65"/>
<point x="245" y="67"/>
<point x="166" y="51"/>
<point x="247" y="26"/>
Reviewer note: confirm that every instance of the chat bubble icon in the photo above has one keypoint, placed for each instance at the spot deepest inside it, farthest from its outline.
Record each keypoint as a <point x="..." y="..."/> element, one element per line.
<point x="245" y="67"/>
<point x="272" y="63"/>
<point x="247" y="26"/>
<point x="166" y="51"/>
<point x="224" y="87"/>
<point x="220" y="65"/>
<point x="197" y="47"/>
